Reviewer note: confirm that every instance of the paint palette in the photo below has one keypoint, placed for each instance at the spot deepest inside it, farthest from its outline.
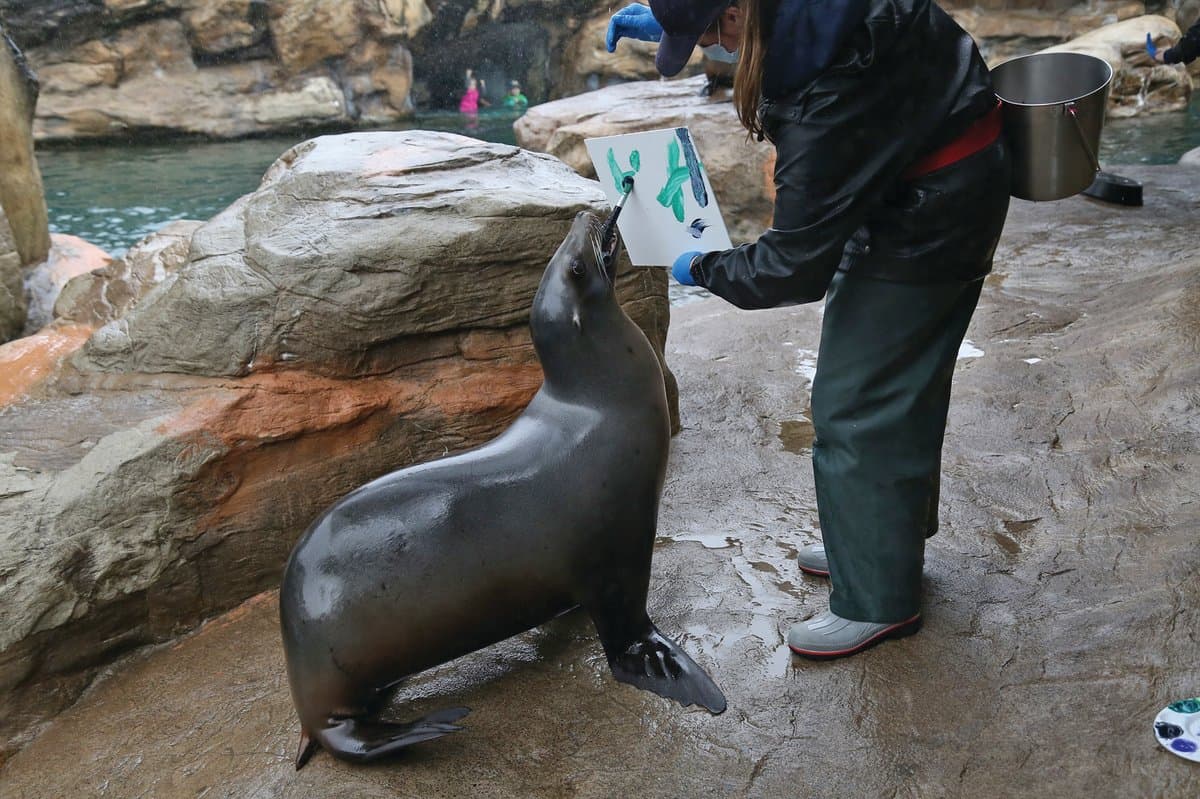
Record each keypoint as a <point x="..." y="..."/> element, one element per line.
<point x="1177" y="728"/>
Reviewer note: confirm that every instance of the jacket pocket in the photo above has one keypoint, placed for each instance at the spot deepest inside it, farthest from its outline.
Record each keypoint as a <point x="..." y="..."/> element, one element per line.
<point x="944" y="224"/>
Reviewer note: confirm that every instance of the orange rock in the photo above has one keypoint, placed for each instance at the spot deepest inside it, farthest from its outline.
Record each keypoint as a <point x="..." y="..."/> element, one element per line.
<point x="280" y="431"/>
<point x="27" y="362"/>
<point x="71" y="256"/>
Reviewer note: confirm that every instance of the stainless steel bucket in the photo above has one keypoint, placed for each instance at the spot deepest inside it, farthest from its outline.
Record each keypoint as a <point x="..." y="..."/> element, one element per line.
<point x="1053" y="105"/>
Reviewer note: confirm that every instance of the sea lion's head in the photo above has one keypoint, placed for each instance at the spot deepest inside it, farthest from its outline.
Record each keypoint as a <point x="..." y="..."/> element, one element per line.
<point x="578" y="280"/>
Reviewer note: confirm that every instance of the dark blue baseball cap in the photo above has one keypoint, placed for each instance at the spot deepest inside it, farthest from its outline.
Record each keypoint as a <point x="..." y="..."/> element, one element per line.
<point x="683" y="23"/>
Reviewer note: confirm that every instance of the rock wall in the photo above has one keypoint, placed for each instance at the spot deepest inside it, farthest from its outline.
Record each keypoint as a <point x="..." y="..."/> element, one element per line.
<point x="197" y="403"/>
<point x="587" y="65"/>
<point x="1008" y="28"/>
<point x="228" y="68"/>
<point x="24" y="230"/>
<point x="221" y="69"/>
<point x="1139" y="85"/>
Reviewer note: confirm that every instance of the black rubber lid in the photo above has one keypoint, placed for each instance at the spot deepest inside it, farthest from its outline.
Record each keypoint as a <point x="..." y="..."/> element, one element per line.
<point x="1111" y="188"/>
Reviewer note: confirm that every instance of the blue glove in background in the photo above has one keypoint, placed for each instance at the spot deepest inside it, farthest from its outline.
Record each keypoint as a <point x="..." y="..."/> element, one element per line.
<point x="1150" y="48"/>
<point x="634" y="21"/>
<point x="682" y="268"/>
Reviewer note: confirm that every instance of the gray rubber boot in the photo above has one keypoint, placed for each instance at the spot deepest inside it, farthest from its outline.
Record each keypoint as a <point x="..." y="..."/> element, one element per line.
<point x="811" y="559"/>
<point x="828" y="635"/>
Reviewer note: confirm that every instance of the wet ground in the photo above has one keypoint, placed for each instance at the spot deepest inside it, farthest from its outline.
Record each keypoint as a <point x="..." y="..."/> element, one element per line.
<point x="1061" y="594"/>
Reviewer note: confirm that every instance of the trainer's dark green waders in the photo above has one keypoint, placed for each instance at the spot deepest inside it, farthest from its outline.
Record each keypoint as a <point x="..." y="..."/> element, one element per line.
<point x="879" y="403"/>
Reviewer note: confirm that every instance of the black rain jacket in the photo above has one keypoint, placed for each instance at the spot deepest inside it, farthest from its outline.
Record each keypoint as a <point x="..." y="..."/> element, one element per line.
<point x="1187" y="49"/>
<point x="907" y="82"/>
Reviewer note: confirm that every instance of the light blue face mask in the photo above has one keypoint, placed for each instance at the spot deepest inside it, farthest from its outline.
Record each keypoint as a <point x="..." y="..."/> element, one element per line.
<point x="717" y="52"/>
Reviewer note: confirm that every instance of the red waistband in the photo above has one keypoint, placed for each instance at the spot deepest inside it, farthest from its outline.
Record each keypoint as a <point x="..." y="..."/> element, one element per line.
<point x="982" y="132"/>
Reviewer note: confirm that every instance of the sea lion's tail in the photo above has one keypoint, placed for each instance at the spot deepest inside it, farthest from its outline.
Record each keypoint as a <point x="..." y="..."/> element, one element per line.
<point x="361" y="740"/>
<point x="657" y="664"/>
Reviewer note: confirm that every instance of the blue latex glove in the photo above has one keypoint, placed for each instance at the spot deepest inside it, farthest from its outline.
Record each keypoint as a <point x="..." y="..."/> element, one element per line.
<point x="634" y="21"/>
<point x="682" y="268"/>
<point x="1150" y="48"/>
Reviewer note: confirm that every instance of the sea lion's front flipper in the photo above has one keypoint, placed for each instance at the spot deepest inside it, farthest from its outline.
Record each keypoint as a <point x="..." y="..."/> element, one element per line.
<point x="656" y="663"/>
<point x="363" y="739"/>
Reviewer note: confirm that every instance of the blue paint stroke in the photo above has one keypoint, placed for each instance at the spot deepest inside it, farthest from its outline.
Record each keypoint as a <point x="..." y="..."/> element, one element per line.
<point x="1183" y="745"/>
<point x="693" y="164"/>
<point x="697" y="228"/>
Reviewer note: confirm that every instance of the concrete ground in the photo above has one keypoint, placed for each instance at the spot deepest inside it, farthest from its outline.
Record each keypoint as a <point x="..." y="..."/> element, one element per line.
<point x="1061" y="594"/>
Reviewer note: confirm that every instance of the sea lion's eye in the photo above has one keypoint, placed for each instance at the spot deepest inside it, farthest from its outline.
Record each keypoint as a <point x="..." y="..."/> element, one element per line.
<point x="577" y="268"/>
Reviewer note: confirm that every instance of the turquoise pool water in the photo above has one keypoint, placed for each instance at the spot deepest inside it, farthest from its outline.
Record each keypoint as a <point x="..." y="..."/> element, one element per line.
<point x="114" y="194"/>
<point x="1158" y="139"/>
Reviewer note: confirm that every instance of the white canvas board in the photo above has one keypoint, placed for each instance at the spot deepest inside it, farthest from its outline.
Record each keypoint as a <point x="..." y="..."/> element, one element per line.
<point x="673" y="209"/>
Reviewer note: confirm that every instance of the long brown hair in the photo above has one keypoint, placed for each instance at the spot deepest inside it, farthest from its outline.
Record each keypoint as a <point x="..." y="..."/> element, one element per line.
<point x="758" y="17"/>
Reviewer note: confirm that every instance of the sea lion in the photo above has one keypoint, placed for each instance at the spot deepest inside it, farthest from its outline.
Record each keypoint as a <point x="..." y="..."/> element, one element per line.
<point x="437" y="560"/>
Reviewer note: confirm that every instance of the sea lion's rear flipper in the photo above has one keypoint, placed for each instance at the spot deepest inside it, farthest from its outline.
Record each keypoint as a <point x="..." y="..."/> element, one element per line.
<point x="367" y="739"/>
<point x="656" y="663"/>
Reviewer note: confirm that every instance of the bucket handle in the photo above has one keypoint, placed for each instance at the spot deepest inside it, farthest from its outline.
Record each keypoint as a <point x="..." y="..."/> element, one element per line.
<point x="1070" y="109"/>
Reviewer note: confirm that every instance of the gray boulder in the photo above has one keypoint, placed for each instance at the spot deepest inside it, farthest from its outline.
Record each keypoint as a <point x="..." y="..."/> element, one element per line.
<point x="340" y="258"/>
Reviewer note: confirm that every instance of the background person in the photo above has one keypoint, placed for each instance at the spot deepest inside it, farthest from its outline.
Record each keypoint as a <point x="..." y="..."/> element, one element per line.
<point x="892" y="186"/>
<point x="472" y="96"/>
<point x="515" y="100"/>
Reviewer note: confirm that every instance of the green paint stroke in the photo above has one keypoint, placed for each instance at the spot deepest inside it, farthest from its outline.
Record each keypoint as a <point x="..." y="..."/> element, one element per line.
<point x="618" y="174"/>
<point x="1186" y="706"/>
<point x="678" y="174"/>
